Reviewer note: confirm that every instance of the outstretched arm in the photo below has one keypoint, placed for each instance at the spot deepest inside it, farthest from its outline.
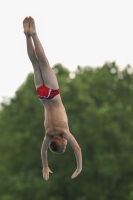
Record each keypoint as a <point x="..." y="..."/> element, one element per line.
<point x="77" y="150"/>
<point x="44" y="148"/>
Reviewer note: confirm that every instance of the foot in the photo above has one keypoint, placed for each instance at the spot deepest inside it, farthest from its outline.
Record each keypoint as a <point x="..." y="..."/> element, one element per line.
<point x="32" y="28"/>
<point x="26" y="25"/>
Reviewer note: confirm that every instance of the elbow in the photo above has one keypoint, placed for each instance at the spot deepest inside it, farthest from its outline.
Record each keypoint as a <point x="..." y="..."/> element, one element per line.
<point x="78" y="149"/>
<point x="42" y="150"/>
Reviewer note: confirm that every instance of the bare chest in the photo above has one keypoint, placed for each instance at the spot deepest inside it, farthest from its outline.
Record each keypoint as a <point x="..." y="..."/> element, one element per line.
<point x="58" y="129"/>
<point x="55" y="117"/>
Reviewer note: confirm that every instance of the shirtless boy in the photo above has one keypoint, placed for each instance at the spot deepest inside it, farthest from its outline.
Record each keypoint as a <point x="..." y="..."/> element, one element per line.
<point x="56" y="122"/>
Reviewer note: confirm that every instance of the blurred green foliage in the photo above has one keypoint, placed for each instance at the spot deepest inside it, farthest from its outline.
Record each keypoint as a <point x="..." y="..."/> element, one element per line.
<point x="99" y="106"/>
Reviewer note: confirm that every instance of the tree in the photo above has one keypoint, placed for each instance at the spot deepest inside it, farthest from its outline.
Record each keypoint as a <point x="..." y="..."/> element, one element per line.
<point x="99" y="108"/>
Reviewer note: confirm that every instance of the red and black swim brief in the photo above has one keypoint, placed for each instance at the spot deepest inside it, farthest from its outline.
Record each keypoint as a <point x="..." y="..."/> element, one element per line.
<point x="44" y="92"/>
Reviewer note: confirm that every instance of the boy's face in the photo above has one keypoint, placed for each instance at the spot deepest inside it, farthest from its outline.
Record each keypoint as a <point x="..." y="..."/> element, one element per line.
<point x="60" y="138"/>
<point x="64" y="141"/>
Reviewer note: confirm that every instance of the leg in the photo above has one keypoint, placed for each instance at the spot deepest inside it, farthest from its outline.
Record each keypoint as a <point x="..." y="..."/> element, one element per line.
<point x="32" y="56"/>
<point x="48" y="75"/>
<point x="34" y="60"/>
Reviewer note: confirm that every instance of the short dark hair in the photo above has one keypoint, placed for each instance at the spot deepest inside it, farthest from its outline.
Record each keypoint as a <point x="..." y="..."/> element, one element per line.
<point x="57" y="147"/>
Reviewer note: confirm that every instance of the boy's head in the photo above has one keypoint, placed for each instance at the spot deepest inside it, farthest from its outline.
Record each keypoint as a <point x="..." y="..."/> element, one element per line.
<point x="58" y="144"/>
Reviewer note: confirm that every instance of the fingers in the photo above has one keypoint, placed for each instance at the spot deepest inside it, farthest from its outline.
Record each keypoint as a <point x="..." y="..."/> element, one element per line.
<point x="46" y="172"/>
<point x="50" y="171"/>
<point x="46" y="176"/>
<point x="76" y="173"/>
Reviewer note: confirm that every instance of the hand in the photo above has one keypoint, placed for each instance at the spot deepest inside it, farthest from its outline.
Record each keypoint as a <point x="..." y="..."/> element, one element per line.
<point x="76" y="173"/>
<point x="46" y="172"/>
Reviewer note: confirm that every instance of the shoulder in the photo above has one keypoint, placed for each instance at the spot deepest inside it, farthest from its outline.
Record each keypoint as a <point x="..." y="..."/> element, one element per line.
<point x="66" y="134"/>
<point x="49" y="134"/>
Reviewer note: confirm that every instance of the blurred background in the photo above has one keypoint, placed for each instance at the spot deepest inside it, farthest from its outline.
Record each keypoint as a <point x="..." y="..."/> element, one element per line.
<point x="89" y="46"/>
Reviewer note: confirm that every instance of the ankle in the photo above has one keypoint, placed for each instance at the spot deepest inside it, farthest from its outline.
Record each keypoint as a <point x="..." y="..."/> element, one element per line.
<point x="34" y="34"/>
<point x="28" y="36"/>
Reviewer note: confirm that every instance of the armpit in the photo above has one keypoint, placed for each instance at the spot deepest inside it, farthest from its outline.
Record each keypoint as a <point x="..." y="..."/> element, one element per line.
<point x="50" y="133"/>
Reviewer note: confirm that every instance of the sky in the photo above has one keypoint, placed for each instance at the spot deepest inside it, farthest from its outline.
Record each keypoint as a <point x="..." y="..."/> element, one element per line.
<point x="72" y="32"/>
